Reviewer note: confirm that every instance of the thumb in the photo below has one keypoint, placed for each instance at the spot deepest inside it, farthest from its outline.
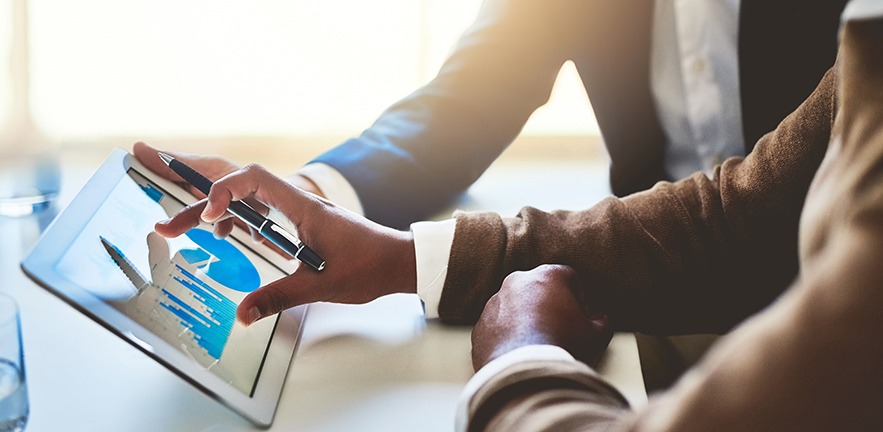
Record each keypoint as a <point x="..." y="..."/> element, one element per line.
<point x="277" y="296"/>
<point x="600" y="323"/>
<point x="601" y="330"/>
<point x="599" y="336"/>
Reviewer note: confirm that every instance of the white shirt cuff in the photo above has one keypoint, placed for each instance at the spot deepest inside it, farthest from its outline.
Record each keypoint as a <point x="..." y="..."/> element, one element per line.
<point x="432" y="247"/>
<point x="499" y="365"/>
<point x="862" y="9"/>
<point x="333" y="185"/>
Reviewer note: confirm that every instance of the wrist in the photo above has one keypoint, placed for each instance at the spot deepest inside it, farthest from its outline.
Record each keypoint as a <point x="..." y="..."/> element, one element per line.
<point x="405" y="263"/>
<point x="303" y="182"/>
<point x="520" y="340"/>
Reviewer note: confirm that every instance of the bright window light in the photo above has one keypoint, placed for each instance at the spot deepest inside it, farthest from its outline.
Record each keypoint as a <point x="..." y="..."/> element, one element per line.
<point x="5" y="60"/>
<point x="196" y="68"/>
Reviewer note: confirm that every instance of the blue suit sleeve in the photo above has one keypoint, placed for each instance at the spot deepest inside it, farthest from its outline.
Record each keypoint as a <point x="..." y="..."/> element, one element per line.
<point x="428" y="148"/>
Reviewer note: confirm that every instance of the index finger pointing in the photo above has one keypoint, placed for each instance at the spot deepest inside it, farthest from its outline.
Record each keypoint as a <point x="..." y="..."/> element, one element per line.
<point x="181" y="222"/>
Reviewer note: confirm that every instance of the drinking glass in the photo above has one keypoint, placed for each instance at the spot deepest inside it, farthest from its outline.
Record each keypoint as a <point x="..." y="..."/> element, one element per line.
<point x="13" y="386"/>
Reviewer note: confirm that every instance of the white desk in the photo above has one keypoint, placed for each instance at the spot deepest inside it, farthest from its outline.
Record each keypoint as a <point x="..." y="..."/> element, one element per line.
<point x="370" y="367"/>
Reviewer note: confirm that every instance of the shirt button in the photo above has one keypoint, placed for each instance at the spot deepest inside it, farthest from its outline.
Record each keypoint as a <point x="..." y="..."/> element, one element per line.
<point x="698" y="66"/>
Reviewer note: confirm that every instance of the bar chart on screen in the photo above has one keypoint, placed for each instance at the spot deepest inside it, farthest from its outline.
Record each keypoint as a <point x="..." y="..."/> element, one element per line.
<point x="179" y="305"/>
<point x="174" y="298"/>
<point x="205" y="315"/>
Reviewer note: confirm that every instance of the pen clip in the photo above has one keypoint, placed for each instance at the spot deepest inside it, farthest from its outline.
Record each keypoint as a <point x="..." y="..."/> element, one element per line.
<point x="304" y="253"/>
<point x="288" y="236"/>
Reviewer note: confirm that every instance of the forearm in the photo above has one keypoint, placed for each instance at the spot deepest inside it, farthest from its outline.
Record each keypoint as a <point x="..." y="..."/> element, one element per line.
<point x="804" y="364"/>
<point x="682" y="257"/>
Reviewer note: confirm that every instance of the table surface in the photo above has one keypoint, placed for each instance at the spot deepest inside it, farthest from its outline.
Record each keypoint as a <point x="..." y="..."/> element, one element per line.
<point x="379" y="366"/>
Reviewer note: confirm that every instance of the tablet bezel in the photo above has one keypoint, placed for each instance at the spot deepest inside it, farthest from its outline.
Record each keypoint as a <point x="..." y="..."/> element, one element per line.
<point x="39" y="265"/>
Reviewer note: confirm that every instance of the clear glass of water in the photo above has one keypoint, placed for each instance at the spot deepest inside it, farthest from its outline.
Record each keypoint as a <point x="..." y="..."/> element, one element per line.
<point x="14" y="405"/>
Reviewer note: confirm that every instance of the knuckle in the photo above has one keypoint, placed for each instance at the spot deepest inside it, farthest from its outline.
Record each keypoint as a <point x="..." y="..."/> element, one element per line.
<point x="514" y="277"/>
<point x="253" y="168"/>
<point x="494" y="301"/>
<point x="545" y="274"/>
<point x="553" y="274"/>
<point x="218" y="187"/>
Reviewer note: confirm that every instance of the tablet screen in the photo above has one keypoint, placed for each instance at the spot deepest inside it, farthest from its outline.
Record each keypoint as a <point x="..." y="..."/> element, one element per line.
<point x="184" y="290"/>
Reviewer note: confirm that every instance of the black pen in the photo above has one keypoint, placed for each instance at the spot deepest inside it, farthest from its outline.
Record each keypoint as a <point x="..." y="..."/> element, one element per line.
<point x="269" y="229"/>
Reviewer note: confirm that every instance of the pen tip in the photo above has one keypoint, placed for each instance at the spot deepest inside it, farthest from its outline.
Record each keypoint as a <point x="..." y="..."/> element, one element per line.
<point x="165" y="158"/>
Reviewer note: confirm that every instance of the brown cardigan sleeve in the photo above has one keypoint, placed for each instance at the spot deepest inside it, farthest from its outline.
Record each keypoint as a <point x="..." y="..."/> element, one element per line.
<point x="698" y="255"/>
<point x="809" y="362"/>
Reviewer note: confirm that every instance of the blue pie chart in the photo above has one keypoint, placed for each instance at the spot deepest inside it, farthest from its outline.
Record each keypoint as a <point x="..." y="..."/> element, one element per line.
<point x="221" y="261"/>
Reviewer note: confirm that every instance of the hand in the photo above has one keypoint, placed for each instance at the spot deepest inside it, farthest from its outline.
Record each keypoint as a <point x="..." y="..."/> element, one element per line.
<point x="538" y="307"/>
<point x="213" y="168"/>
<point x="364" y="260"/>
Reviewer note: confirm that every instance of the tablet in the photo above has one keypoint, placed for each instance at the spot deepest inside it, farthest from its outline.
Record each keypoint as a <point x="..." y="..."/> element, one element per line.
<point x="174" y="299"/>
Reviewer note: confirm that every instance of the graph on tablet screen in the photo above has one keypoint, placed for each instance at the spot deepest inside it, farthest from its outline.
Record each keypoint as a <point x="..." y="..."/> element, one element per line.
<point x="184" y="290"/>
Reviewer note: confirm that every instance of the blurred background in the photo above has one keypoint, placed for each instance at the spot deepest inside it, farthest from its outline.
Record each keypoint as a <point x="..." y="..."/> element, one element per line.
<point x="271" y="81"/>
<point x="268" y="81"/>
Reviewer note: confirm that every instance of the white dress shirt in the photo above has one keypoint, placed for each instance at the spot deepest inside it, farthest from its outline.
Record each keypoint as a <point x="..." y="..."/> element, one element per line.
<point x="695" y="83"/>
